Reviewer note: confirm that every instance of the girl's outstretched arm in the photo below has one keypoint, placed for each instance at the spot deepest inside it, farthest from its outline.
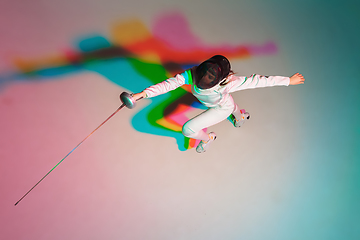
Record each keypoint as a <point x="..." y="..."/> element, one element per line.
<point x="296" y="79"/>
<point x="237" y="83"/>
<point x="165" y="86"/>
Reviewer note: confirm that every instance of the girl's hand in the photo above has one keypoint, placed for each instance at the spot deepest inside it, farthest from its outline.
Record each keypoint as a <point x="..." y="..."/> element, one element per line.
<point x="138" y="96"/>
<point x="296" y="79"/>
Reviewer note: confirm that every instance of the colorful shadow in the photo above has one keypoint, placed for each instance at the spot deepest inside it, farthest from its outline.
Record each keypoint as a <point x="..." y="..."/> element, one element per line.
<point x="135" y="58"/>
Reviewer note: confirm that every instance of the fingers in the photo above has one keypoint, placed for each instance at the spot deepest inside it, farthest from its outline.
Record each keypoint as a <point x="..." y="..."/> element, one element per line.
<point x="138" y="96"/>
<point x="301" y="79"/>
<point x="296" y="79"/>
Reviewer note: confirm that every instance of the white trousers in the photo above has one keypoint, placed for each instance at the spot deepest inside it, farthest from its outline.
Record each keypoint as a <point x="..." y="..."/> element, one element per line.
<point x="194" y="127"/>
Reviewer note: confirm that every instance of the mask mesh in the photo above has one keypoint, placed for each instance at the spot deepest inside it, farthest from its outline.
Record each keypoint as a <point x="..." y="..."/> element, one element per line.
<point x="211" y="72"/>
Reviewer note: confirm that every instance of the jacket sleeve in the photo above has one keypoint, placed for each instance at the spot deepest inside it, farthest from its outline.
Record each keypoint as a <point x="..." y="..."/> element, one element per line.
<point x="256" y="81"/>
<point x="168" y="85"/>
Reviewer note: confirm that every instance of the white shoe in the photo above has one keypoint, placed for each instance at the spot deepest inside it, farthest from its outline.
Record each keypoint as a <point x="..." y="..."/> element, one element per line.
<point x="239" y="122"/>
<point x="203" y="146"/>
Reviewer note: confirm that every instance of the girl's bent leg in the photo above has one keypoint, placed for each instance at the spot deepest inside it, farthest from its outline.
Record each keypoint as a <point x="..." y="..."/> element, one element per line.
<point x="194" y="127"/>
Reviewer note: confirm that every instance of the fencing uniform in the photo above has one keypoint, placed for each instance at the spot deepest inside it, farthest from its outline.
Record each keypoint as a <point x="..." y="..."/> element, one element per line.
<point x="217" y="98"/>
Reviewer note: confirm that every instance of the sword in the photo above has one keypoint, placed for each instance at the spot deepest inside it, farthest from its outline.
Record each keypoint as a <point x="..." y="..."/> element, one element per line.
<point x="126" y="99"/>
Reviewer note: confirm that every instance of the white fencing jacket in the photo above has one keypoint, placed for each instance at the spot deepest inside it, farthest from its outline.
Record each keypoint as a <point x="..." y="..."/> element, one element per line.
<point x="217" y="96"/>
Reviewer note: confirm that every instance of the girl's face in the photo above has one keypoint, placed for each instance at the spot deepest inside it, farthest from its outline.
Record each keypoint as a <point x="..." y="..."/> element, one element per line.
<point x="207" y="80"/>
<point x="210" y="78"/>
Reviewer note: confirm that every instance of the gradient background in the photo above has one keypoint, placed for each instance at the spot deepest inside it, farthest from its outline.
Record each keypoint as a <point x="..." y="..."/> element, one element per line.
<point x="291" y="173"/>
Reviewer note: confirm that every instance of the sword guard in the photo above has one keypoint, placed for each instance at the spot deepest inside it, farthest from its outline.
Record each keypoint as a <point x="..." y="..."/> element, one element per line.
<point x="128" y="100"/>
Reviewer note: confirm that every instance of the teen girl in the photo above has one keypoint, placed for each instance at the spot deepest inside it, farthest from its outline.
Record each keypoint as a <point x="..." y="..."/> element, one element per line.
<point x="211" y="83"/>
